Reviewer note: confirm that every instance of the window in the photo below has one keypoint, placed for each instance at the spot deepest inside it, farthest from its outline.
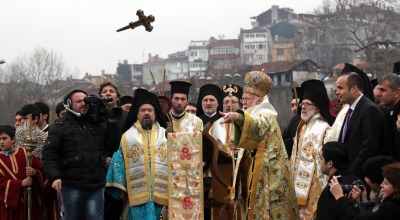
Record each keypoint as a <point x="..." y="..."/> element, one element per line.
<point x="260" y="57"/>
<point x="287" y="78"/>
<point x="251" y="35"/>
<point x="381" y="16"/>
<point x="159" y="72"/>
<point x="137" y="69"/>
<point x="279" y="80"/>
<point x="282" y="46"/>
<point x="193" y="53"/>
<point x="298" y="57"/>
<point x="203" y="54"/>
<point x="246" y="36"/>
<point x="149" y="68"/>
<point x="248" y="57"/>
<point x="255" y="45"/>
<point x="173" y="66"/>
<point x="223" y="50"/>
<point x="261" y="35"/>
<point x="290" y="16"/>
<point x="280" y="57"/>
<point x="197" y="65"/>
<point x="218" y="62"/>
<point x="230" y="61"/>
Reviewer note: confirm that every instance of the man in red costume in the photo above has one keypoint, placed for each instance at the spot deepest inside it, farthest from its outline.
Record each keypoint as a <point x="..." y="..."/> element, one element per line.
<point x="14" y="181"/>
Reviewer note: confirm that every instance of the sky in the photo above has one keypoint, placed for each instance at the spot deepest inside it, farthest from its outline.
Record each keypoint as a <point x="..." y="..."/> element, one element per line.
<point x="84" y="31"/>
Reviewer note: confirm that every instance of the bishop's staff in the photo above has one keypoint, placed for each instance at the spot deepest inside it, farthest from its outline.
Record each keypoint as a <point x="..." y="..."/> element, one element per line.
<point x="295" y="95"/>
<point x="29" y="145"/>
<point x="231" y="90"/>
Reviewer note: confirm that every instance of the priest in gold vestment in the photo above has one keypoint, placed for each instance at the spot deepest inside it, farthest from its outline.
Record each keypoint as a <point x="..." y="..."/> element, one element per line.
<point x="309" y="181"/>
<point x="138" y="171"/>
<point x="270" y="187"/>
<point x="181" y="120"/>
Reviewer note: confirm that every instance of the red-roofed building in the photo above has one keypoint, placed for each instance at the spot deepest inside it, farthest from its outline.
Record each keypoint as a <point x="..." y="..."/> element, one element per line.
<point x="285" y="73"/>
<point x="224" y="54"/>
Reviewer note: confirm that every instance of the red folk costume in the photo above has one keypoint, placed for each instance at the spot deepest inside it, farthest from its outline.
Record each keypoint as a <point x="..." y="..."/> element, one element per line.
<point x="13" y="197"/>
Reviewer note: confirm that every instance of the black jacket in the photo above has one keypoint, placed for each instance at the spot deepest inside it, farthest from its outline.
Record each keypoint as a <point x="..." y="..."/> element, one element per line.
<point x="388" y="210"/>
<point x="390" y="135"/>
<point x="289" y="133"/>
<point x="362" y="134"/>
<point x="325" y="202"/>
<point x="75" y="151"/>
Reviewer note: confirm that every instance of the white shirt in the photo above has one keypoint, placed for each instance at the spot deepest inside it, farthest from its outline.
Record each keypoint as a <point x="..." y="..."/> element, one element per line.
<point x="353" y="106"/>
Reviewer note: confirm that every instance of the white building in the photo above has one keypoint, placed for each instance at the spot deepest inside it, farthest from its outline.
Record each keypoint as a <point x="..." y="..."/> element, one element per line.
<point x="198" y="57"/>
<point x="255" y="47"/>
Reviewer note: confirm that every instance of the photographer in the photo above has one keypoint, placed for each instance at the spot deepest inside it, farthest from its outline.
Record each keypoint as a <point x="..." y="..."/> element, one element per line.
<point x="389" y="208"/>
<point x="74" y="158"/>
<point x="333" y="161"/>
<point x="372" y="170"/>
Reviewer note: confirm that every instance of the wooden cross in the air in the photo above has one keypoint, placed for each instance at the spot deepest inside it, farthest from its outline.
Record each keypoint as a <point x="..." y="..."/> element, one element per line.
<point x="143" y="20"/>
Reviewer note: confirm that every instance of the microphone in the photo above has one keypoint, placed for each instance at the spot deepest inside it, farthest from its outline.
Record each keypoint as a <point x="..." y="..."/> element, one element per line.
<point x="72" y="111"/>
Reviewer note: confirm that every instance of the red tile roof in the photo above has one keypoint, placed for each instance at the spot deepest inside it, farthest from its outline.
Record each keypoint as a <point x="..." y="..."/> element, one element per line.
<point x="280" y="66"/>
<point x="178" y="53"/>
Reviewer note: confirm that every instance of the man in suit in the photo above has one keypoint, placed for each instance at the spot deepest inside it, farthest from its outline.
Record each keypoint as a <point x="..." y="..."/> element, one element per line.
<point x="389" y="95"/>
<point x="363" y="121"/>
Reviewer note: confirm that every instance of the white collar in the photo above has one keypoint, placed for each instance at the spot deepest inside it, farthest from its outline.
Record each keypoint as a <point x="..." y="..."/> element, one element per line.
<point x="353" y="106"/>
<point x="210" y="116"/>
<point x="45" y="127"/>
<point x="178" y="115"/>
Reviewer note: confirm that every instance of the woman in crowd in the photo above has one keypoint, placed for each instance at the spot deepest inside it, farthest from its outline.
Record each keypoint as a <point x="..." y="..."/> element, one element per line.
<point x="388" y="209"/>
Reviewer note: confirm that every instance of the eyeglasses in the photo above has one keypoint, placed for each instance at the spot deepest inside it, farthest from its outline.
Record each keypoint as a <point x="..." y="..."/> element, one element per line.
<point x="306" y="104"/>
<point x="233" y="102"/>
<point x="244" y="100"/>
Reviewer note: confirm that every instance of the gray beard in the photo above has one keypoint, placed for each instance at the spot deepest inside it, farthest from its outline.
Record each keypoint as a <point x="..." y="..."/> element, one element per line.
<point x="146" y="124"/>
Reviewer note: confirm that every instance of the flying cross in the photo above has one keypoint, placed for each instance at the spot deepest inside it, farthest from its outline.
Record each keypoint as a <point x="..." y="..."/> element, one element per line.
<point x="187" y="177"/>
<point x="143" y="20"/>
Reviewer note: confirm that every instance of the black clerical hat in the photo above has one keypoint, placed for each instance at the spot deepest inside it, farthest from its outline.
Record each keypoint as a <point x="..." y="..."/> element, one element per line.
<point x="367" y="87"/>
<point x="126" y="100"/>
<point x="180" y="87"/>
<point x="315" y="91"/>
<point x="396" y="68"/>
<point x="144" y="97"/>
<point x="374" y="83"/>
<point x="238" y="94"/>
<point x="209" y="89"/>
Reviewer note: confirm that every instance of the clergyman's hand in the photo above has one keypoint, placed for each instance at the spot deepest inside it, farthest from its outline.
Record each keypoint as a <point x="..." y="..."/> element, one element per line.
<point x="30" y="171"/>
<point x="228" y="117"/>
<point x="27" y="182"/>
<point x="231" y="146"/>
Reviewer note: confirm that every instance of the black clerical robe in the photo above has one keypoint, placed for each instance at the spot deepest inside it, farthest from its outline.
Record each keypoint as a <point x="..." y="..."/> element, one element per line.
<point x="207" y="119"/>
<point x="289" y="133"/>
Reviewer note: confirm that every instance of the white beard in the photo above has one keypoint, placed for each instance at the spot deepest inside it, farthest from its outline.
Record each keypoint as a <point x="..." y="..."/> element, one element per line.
<point x="309" y="114"/>
<point x="245" y="107"/>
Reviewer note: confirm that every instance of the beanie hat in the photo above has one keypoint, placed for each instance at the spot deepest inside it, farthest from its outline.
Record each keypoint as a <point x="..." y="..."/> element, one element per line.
<point x="373" y="168"/>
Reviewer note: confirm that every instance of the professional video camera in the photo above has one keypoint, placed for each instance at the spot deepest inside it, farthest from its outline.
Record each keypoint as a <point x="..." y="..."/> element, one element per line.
<point x="348" y="187"/>
<point x="97" y="108"/>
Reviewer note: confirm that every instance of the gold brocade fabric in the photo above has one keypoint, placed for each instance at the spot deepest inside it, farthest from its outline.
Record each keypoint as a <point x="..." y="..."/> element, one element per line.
<point x="334" y="132"/>
<point x="185" y="176"/>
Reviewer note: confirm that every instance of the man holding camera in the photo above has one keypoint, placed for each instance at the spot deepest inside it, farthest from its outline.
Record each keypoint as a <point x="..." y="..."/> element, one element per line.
<point x="334" y="160"/>
<point x="74" y="158"/>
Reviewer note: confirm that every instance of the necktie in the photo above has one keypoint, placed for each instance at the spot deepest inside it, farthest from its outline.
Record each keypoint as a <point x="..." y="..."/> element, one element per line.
<point x="345" y="123"/>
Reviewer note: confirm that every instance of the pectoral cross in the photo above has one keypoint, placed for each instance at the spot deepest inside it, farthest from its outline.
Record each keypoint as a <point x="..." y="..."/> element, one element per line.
<point x="143" y="20"/>
<point x="187" y="177"/>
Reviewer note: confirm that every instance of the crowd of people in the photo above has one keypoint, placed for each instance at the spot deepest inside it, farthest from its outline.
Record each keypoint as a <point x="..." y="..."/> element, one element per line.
<point x="323" y="165"/>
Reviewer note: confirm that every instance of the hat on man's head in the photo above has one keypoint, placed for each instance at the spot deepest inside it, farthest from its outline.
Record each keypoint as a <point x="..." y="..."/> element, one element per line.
<point x="315" y="91"/>
<point x="209" y="89"/>
<point x="374" y="83"/>
<point x="373" y="168"/>
<point x="126" y="100"/>
<point x="238" y="93"/>
<point x="141" y="98"/>
<point x="396" y="68"/>
<point x="367" y="87"/>
<point x="257" y="83"/>
<point x="180" y="87"/>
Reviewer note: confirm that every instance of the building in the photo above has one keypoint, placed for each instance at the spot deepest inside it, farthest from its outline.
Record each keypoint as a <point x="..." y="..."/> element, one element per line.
<point x="98" y="80"/>
<point x="289" y="49"/>
<point x="198" y="58"/>
<point x="255" y="48"/>
<point x="224" y="55"/>
<point x="177" y="65"/>
<point x="130" y="72"/>
<point x="157" y="66"/>
<point x="285" y="73"/>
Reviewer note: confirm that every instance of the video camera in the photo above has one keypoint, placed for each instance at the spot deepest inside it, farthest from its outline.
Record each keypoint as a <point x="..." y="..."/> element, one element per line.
<point x="348" y="187"/>
<point x="97" y="108"/>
